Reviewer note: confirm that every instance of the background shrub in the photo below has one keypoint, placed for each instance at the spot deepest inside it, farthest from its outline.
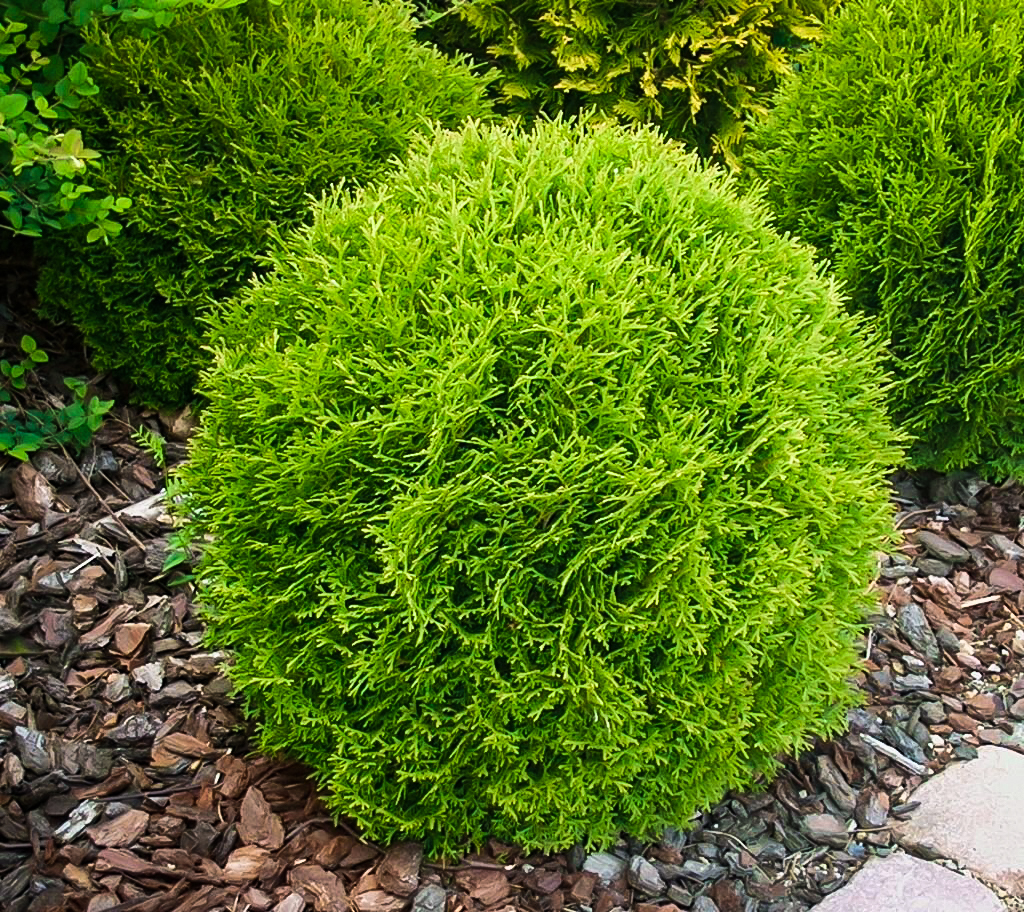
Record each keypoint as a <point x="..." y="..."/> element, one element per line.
<point x="542" y="486"/>
<point x="899" y="152"/>
<point x="44" y="160"/>
<point x="218" y="129"/>
<point x="695" y="68"/>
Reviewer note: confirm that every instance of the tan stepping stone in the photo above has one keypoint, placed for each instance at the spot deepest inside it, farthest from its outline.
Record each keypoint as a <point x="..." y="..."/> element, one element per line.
<point x="973" y="812"/>
<point x="901" y="883"/>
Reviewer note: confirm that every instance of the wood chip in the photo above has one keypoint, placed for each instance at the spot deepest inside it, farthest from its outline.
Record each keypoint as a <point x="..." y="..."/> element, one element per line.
<point x="258" y="824"/>
<point x="243" y="865"/>
<point x="120" y="832"/>
<point x="399" y="872"/>
<point x="326" y="890"/>
<point x="32" y="492"/>
<point x="484" y="885"/>
<point x="129" y="637"/>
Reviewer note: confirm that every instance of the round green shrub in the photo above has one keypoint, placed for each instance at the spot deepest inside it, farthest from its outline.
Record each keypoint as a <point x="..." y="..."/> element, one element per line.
<point x="899" y="152"/>
<point x="219" y="128"/>
<point x="541" y="486"/>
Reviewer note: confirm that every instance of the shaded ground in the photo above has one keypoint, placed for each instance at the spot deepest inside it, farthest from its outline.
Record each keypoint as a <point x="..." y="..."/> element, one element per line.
<point x="125" y="781"/>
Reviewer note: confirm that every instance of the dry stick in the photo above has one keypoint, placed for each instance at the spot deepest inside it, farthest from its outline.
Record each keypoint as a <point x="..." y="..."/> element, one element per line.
<point x="103" y="503"/>
<point x="461" y="866"/>
<point x="980" y="601"/>
<point x="903" y="519"/>
<point x="881" y="747"/>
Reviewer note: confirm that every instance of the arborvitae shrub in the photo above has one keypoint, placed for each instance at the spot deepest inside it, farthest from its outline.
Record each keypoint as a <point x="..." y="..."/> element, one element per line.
<point x="899" y="152"/>
<point x="541" y="487"/>
<point x="219" y="128"/>
<point x="696" y="68"/>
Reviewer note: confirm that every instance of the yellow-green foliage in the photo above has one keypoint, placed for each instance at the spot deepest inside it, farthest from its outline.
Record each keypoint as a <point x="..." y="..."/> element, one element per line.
<point x="542" y="486"/>
<point x="698" y="68"/>
<point x="219" y="128"/>
<point x="898" y="150"/>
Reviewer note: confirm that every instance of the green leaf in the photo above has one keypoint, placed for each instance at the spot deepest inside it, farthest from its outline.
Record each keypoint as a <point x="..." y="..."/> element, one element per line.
<point x="12" y="105"/>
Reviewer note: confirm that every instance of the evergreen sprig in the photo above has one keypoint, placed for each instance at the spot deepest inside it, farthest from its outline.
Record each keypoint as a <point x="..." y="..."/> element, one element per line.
<point x="541" y="487"/>
<point x="898" y="151"/>
<point x="697" y="68"/>
<point x="219" y="128"/>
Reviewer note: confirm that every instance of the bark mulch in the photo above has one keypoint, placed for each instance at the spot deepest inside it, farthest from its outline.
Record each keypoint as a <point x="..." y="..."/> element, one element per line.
<point x="126" y="781"/>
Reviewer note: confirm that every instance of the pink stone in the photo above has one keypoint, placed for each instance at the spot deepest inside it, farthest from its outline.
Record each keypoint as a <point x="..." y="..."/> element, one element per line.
<point x="901" y="883"/>
<point x="973" y="812"/>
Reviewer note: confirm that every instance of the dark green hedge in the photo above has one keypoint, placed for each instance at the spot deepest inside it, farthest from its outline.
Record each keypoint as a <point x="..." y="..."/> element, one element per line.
<point x="219" y="128"/>
<point x="542" y="488"/>
<point x="899" y="152"/>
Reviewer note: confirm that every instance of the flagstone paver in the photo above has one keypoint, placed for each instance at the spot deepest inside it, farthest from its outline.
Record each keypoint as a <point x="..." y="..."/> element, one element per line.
<point x="973" y="813"/>
<point x="901" y="883"/>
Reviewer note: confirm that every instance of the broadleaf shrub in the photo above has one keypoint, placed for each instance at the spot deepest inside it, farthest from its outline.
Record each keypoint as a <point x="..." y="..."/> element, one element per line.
<point x="541" y="486"/>
<point x="697" y="69"/>
<point x="44" y="160"/>
<point x="219" y="128"/>
<point x="898" y="151"/>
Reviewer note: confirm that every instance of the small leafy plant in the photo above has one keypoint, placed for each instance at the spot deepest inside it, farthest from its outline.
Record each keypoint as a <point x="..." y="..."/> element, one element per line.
<point x="26" y="430"/>
<point x="16" y="374"/>
<point x="45" y="164"/>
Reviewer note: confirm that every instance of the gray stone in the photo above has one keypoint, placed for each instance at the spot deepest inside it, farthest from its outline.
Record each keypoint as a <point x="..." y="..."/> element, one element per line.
<point x="898" y="572"/>
<point x="151" y="675"/>
<point x="118" y="688"/>
<point x="901" y="883"/>
<point x="912" y="683"/>
<point x="835" y="783"/>
<point x="173" y="693"/>
<point x="1006" y="548"/>
<point x="80" y="818"/>
<point x="704" y="904"/>
<point x="772" y="851"/>
<point x="702" y="870"/>
<point x="898" y="738"/>
<point x="674" y="838"/>
<point x="140" y="727"/>
<point x="872" y="809"/>
<point x="644" y="877"/>
<point x="973" y="813"/>
<point x="933" y="713"/>
<point x="931" y="566"/>
<point x="605" y="865"/>
<point x="915" y="627"/>
<point x="865" y="722"/>
<point x="31" y="747"/>
<point x="943" y="548"/>
<point x="680" y="895"/>
<point x="430" y="898"/>
<point x="948" y="640"/>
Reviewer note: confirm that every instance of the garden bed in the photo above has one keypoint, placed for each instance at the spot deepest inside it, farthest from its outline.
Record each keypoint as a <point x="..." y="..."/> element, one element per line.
<point x="126" y="782"/>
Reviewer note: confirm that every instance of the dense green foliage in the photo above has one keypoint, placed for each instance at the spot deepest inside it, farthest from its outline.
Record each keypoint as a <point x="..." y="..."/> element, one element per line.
<point x="540" y="488"/>
<point x="697" y="69"/>
<point x="899" y="152"/>
<point x="218" y="128"/>
<point x="44" y="161"/>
